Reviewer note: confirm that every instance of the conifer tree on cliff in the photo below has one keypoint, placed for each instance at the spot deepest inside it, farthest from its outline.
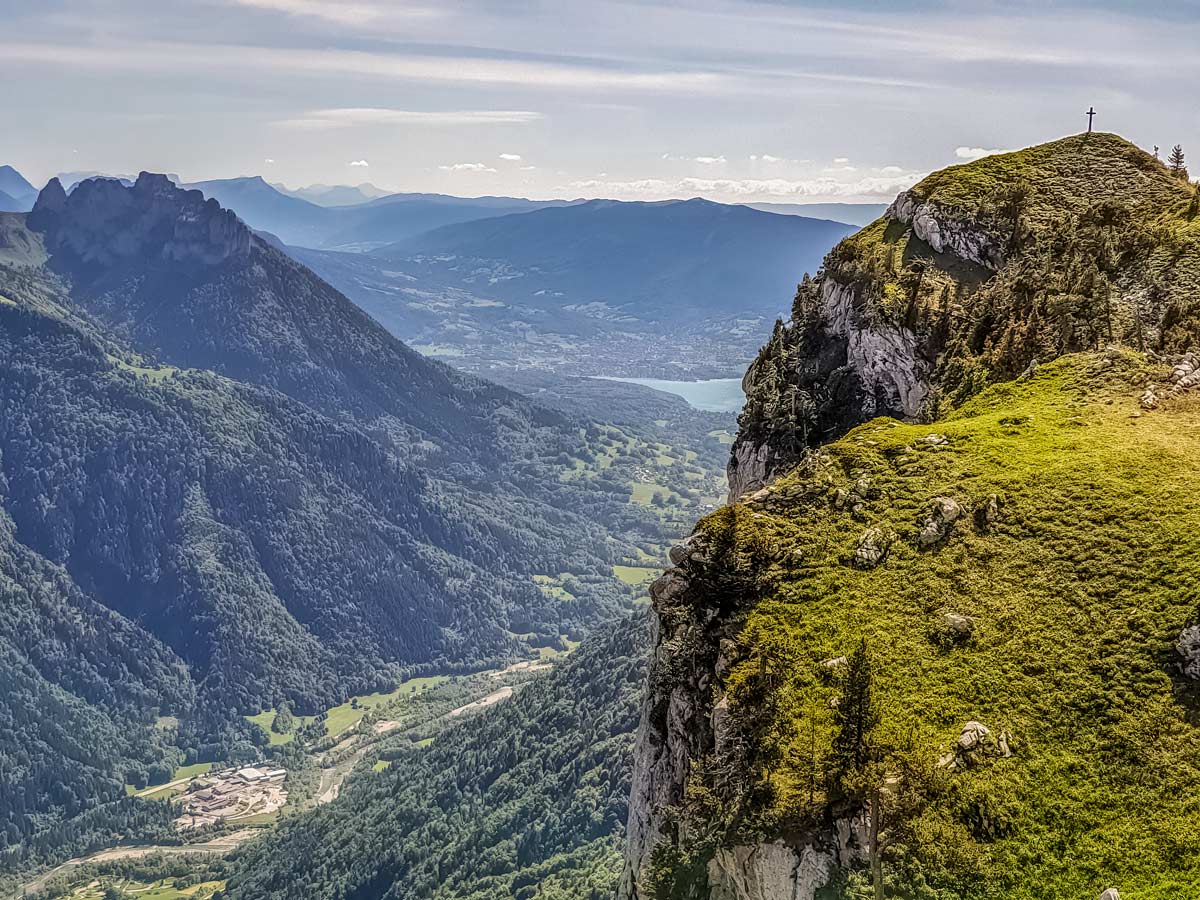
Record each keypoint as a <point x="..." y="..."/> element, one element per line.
<point x="855" y="718"/>
<point x="855" y="755"/>
<point x="1176" y="162"/>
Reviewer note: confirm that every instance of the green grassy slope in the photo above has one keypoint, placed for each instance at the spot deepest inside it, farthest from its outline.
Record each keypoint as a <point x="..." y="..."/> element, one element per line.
<point x="1079" y="591"/>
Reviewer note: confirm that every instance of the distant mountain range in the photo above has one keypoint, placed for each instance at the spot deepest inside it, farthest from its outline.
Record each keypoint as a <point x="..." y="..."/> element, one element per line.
<point x="334" y="194"/>
<point x="586" y="287"/>
<point x="860" y="214"/>
<point x="601" y="287"/>
<point x="16" y="194"/>
<point x="366" y="225"/>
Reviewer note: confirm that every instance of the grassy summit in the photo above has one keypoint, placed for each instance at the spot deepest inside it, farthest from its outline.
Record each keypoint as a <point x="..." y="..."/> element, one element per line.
<point x="982" y="268"/>
<point x="1068" y="174"/>
<point x="1077" y="590"/>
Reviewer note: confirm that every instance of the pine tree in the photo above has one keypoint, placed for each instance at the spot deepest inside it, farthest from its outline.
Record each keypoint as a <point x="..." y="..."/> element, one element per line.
<point x="855" y="719"/>
<point x="1176" y="162"/>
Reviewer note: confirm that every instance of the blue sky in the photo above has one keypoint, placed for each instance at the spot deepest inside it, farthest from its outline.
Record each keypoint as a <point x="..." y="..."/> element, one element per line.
<point x="782" y="101"/>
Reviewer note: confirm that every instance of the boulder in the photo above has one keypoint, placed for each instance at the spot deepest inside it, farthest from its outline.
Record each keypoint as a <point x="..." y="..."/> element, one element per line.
<point x="1188" y="647"/>
<point x="930" y="534"/>
<point x="987" y="512"/>
<point x="872" y="548"/>
<point x="934" y="440"/>
<point x="1149" y="399"/>
<point x="1110" y="894"/>
<point x="943" y="513"/>
<point x="685" y="550"/>
<point x="974" y="736"/>
<point x="954" y="628"/>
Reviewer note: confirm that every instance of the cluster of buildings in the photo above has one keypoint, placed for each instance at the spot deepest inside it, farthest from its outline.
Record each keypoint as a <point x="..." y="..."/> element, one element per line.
<point x="232" y="794"/>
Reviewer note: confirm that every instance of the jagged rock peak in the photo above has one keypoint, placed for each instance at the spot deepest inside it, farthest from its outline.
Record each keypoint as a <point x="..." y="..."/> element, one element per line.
<point x="52" y="199"/>
<point x="104" y="221"/>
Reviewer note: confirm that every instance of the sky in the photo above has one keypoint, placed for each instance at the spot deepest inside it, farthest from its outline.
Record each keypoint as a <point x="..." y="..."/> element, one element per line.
<point x="789" y="102"/>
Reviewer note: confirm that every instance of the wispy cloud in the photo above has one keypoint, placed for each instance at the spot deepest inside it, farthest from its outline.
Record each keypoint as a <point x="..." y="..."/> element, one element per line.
<point x="491" y="72"/>
<point x="511" y="157"/>
<point x="702" y="160"/>
<point x="871" y="188"/>
<point x="343" y="13"/>
<point x="347" y="117"/>
<point x="359" y="163"/>
<point x="467" y="167"/>
<point x="970" y="153"/>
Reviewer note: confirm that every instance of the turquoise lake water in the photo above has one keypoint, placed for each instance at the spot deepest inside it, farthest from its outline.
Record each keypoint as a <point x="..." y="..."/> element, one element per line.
<point x="713" y="395"/>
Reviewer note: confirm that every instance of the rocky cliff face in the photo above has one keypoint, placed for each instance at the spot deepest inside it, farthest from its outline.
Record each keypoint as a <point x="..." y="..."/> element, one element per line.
<point x="102" y="222"/>
<point x="980" y="275"/>
<point x="700" y="604"/>
<point x="967" y="278"/>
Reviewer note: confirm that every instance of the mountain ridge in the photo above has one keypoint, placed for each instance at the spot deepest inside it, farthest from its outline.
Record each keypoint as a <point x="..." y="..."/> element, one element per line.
<point x="879" y="669"/>
<point x="251" y="494"/>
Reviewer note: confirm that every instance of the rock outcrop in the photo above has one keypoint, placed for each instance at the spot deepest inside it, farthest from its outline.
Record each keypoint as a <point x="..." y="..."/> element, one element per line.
<point x="102" y="222"/>
<point x="890" y="325"/>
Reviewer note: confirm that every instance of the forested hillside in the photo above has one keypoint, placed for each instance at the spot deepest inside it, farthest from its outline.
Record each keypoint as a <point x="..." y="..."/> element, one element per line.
<point x="223" y="488"/>
<point x="528" y="800"/>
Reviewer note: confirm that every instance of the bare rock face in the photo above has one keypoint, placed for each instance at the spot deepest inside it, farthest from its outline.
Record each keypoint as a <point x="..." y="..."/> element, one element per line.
<point x="679" y="717"/>
<point x="103" y="222"/>
<point x="752" y="466"/>
<point x="773" y="871"/>
<point x="945" y="233"/>
<point x="850" y="363"/>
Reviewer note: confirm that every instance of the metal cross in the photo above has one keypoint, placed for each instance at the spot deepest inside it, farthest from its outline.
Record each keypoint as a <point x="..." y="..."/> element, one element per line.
<point x="1090" y="113"/>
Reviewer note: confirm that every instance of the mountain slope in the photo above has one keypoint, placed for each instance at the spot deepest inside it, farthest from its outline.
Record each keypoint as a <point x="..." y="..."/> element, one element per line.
<point x="223" y="486"/>
<point x="954" y="659"/>
<point x="851" y="213"/>
<point x="16" y="194"/>
<point x="527" y="800"/>
<point x="334" y="194"/>
<point x="377" y="221"/>
<point x="216" y="297"/>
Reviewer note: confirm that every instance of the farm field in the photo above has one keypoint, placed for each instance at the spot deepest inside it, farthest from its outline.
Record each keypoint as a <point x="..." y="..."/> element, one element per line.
<point x="339" y="719"/>
<point x="157" y="890"/>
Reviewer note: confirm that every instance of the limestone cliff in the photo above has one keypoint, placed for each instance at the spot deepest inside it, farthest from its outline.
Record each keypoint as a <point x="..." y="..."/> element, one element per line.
<point x="942" y="455"/>
<point x="968" y="278"/>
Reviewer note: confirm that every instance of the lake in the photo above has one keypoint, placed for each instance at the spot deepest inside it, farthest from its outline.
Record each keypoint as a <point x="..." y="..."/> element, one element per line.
<point x="712" y="395"/>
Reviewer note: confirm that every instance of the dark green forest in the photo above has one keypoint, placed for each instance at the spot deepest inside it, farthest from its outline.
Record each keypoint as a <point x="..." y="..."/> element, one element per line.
<point x="528" y="798"/>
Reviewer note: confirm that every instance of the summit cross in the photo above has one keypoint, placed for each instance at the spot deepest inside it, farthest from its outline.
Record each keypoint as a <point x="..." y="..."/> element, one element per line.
<point x="1090" y="114"/>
